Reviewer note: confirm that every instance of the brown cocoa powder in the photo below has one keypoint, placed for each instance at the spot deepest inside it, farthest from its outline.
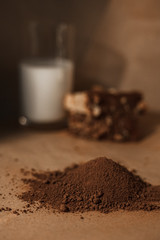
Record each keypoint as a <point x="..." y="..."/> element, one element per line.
<point x="100" y="184"/>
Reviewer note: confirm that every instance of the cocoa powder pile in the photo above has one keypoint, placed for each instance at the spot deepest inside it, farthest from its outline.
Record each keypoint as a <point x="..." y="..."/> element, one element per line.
<point x="99" y="184"/>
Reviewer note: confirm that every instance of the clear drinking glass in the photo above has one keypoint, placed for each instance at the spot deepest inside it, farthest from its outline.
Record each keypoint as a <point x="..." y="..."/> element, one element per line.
<point x="46" y="76"/>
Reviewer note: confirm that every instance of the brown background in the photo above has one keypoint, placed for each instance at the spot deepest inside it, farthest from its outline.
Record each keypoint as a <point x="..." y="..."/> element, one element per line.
<point x="117" y="44"/>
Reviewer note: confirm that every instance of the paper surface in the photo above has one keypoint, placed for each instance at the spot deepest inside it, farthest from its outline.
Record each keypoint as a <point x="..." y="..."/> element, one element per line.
<point x="56" y="150"/>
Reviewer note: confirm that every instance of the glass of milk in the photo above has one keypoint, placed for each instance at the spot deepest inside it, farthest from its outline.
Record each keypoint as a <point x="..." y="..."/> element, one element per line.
<point x="44" y="81"/>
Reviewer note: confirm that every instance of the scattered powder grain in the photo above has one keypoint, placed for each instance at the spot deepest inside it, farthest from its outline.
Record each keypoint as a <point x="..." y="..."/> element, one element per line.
<point x="100" y="184"/>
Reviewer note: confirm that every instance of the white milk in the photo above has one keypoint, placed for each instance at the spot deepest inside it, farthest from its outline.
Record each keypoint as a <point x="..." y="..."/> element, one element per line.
<point x="43" y="86"/>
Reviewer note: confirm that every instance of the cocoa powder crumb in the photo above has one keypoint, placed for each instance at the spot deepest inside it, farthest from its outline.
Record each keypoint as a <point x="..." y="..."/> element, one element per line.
<point x="5" y="209"/>
<point x="63" y="208"/>
<point x="15" y="212"/>
<point x="98" y="185"/>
